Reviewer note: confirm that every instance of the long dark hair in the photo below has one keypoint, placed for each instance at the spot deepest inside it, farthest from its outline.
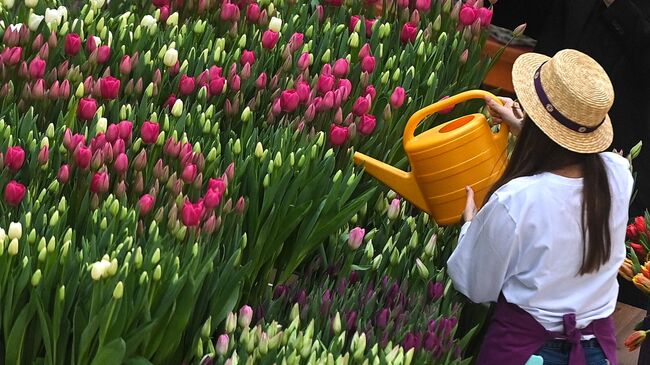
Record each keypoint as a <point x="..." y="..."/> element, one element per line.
<point x="534" y="153"/>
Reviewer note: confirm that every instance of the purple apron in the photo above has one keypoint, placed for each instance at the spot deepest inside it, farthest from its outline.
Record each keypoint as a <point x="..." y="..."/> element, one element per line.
<point x="514" y="336"/>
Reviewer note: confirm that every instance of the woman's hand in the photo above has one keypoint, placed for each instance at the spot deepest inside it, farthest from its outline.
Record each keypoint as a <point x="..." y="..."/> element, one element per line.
<point x="510" y="113"/>
<point x="470" y="205"/>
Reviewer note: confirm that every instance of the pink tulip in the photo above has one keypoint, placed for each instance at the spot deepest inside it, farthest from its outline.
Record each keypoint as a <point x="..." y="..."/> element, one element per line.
<point x="160" y="3"/>
<point x="186" y="85"/>
<point x="448" y="109"/>
<point x="370" y="90"/>
<point x="303" y="90"/>
<point x="355" y="237"/>
<point x="235" y="83"/>
<point x="99" y="183"/>
<point x="361" y="106"/>
<point x="103" y="54"/>
<point x="12" y="55"/>
<point x="253" y="13"/>
<point x="63" y="176"/>
<point x="423" y="5"/>
<point x="229" y="12"/>
<point x="217" y="185"/>
<point x="112" y="133"/>
<point x="338" y="135"/>
<point x="354" y="20"/>
<point x="341" y="67"/>
<point x="212" y="198"/>
<point x="119" y="146"/>
<point x="289" y="100"/>
<point x="72" y="44"/>
<point x="230" y="171"/>
<point x="403" y="3"/>
<point x="125" y="65"/>
<point x="367" y="124"/>
<point x="270" y="39"/>
<point x="467" y="15"/>
<point x="121" y="163"/>
<point x="368" y="64"/>
<point x="37" y="68"/>
<point x="14" y="193"/>
<point x="145" y="204"/>
<point x="247" y="57"/>
<point x="240" y="207"/>
<point x="485" y="15"/>
<point x="164" y="13"/>
<point x="408" y="33"/>
<point x="191" y="214"/>
<point x="325" y="83"/>
<point x="189" y="173"/>
<point x="245" y="316"/>
<point x="86" y="108"/>
<point x="260" y="82"/>
<point x="64" y="91"/>
<point x="171" y="148"/>
<point x="14" y="158"/>
<point x="217" y="84"/>
<point x="369" y="25"/>
<point x="55" y="90"/>
<point x="296" y="41"/>
<point x="109" y="87"/>
<point x="171" y="100"/>
<point x="346" y="87"/>
<point x="149" y="132"/>
<point x="303" y="61"/>
<point x="397" y="97"/>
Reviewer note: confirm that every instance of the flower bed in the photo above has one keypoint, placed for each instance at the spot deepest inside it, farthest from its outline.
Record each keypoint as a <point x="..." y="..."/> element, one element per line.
<point x="162" y="162"/>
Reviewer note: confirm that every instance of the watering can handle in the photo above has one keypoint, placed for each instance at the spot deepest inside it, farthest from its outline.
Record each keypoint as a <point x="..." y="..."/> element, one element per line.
<point x="420" y="115"/>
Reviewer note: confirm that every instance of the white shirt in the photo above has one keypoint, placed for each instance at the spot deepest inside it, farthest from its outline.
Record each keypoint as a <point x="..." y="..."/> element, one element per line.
<point x="527" y="243"/>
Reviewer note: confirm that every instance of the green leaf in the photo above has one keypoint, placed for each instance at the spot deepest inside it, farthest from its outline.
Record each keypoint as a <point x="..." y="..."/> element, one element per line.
<point x="111" y="353"/>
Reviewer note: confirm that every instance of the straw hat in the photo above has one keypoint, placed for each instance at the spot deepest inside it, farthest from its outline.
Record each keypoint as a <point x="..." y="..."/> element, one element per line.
<point x="568" y="97"/>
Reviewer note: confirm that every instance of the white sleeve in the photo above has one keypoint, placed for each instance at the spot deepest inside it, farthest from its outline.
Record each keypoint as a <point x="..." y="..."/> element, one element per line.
<point x="484" y="257"/>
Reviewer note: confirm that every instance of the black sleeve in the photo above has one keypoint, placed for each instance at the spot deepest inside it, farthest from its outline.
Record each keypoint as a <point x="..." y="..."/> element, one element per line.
<point x="511" y="13"/>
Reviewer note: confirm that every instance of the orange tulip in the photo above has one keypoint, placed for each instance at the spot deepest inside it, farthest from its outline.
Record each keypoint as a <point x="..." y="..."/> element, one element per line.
<point x="633" y="341"/>
<point x="626" y="270"/>
<point x="642" y="282"/>
<point x="645" y="269"/>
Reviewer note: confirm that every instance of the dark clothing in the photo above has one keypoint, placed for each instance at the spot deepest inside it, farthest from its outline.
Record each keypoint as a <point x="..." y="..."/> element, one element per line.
<point x="618" y="38"/>
<point x="513" y="336"/>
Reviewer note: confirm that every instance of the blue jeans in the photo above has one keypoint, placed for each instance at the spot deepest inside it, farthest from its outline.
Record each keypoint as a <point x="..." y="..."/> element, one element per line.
<point x="557" y="353"/>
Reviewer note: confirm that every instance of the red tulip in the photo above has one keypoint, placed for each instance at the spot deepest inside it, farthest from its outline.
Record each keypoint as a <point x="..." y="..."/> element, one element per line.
<point x="408" y="33"/>
<point x="99" y="183"/>
<point x="86" y="108"/>
<point x="247" y="57"/>
<point x="14" y="193"/>
<point x="367" y="124"/>
<point x="325" y="83"/>
<point x="631" y="232"/>
<point x="640" y="224"/>
<point x="397" y="97"/>
<point x="121" y="163"/>
<point x="82" y="156"/>
<point x="37" y="68"/>
<point x="109" y="87"/>
<point x="72" y="44"/>
<point x="186" y="85"/>
<point x="103" y="54"/>
<point x="338" y="135"/>
<point x="289" y="100"/>
<point x="341" y="67"/>
<point x="361" y="106"/>
<point x="191" y="214"/>
<point x="368" y="64"/>
<point x="149" y="132"/>
<point x="270" y="39"/>
<point x="467" y="15"/>
<point x="64" y="174"/>
<point x="145" y="204"/>
<point x="253" y="13"/>
<point x="14" y="158"/>
<point x="216" y="85"/>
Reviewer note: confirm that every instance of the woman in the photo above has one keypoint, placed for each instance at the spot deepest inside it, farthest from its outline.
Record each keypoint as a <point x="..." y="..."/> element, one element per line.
<point x="548" y="242"/>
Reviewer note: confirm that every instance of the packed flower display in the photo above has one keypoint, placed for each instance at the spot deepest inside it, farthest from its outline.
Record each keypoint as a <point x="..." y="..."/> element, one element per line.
<point x="178" y="187"/>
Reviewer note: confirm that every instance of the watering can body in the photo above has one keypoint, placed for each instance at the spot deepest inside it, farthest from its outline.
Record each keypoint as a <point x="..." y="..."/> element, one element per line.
<point x="446" y="159"/>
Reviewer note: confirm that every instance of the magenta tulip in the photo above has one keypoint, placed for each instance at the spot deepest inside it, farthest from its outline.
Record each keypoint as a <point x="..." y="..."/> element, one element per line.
<point x="14" y="158"/>
<point x="72" y="44"/>
<point x="87" y="108"/>
<point x="338" y="135"/>
<point x="149" y="132"/>
<point x="14" y="193"/>
<point x="408" y="33"/>
<point x="270" y="39"/>
<point x="145" y="204"/>
<point x="99" y="183"/>
<point x="397" y="97"/>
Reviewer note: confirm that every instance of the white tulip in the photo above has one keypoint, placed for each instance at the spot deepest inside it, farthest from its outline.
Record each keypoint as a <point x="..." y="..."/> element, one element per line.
<point x="13" y="247"/>
<point x="52" y="16"/>
<point x="15" y="230"/>
<point x="171" y="57"/>
<point x="275" y="24"/>
<point x="64" y="12"/>
<point x="31" y="3"/>
<point x="101" y="126"/>
<point x="96" y="4"/>
<point x="3" y="236"/>
<point x="98" y="41"/>
<point x="8" y="3"/>
<point x="34" y="21"/>
<point x="148" y="21"/>
<point x="99" y="268"/>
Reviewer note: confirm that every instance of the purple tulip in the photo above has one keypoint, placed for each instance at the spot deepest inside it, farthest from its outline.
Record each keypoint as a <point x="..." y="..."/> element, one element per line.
<point x="351" y="321"/>
<point x="279" y="292"/>
<point x="382" y="318"/>
<point x="435" y="290"/>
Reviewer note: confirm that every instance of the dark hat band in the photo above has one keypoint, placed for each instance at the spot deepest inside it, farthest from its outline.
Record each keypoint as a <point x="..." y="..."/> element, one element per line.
<point x="552" y="110"/>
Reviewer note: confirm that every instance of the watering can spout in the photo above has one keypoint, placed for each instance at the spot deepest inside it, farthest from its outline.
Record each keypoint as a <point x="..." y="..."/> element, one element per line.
<point x="400" y="181"/>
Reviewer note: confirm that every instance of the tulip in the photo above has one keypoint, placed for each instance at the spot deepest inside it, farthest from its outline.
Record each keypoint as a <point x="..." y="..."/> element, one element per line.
<point x="37" y="68"/>
<point x="397" y="97"/>
<point x="325" y="83"/>
<point x="125" y="130"/>
<point x="229" y="12"/>
<point x="467" y="15"/>
<point x="12" y="55"/>
<point x="99" y="183"/>
<point x="222" y="342"/>
<point x="14" y="193"/>
<point x="642" y="282"/>
<point x="109" y="87"/>
<point x="170" y="59"/>
<point x="103" y="54"/>
<point x="247" y="57"/>
<point x="361" y="106"/>
<point x="121" y="163"/>
<point x="186" y="85"/>
<point x="14" y="158"/>
<point x="355" y="237"/>
<point x="639" y="250"/>
<point x="150" y="132"/>
<point x="367" y="124"/>
<point x="189" y="173"/>
<point x="72" y="44"/>
<point x="191" y="214"/>
<point x="82" y="157"/>
<point x="423" y="5"/>
<point x="43" y="155"/>
<point x="212" y="198"/>
<point x="304" y="61"/>
<point x="485" y="16"/>
<point x="15" y="231"/>
<point x="289" y="100"/>
<point x="408" y="33"/>
<point x="160" y="3"/>
<point x="296" y="41"/>
<point x="270" y="39"/>
<point x="634" y="341"/>
<point x="435" y="290"/>
<point x="639" y="223"/>
<point x="368" y="64"/>
<point x="253" y="13"/>
<point x="341" y="68"/>
<point x="145" y="204"/>
<point x="631" y="232"/>
<point x="448" y="109"/>
<point x="338" y="135"/>
<point x="393" y="209"/>
<point x="245" y="316"/>
<point x="519" y="31"/>
<point x="64" y="174"/>
<point x="240" y="206"/>
<point x="87" y="108"/>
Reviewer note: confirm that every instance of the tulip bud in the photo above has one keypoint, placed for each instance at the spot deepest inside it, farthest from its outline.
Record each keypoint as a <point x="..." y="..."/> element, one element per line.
<point x="519" y="31"/>
<point x="422" y="269"/>
<point x="15" y="230"/>
<point x="231" y="323"/>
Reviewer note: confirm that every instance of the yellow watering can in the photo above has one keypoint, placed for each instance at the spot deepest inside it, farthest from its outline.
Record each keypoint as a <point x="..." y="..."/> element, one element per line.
<point x="446" y="159"/>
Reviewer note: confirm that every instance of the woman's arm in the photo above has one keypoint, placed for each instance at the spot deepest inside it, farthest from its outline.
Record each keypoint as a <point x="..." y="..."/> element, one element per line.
<point x="486" y="253"/>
